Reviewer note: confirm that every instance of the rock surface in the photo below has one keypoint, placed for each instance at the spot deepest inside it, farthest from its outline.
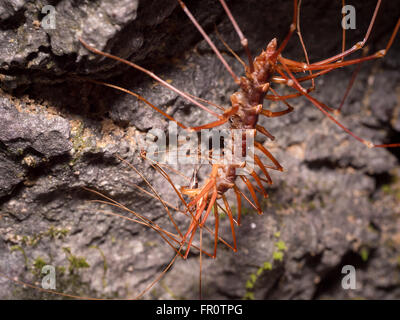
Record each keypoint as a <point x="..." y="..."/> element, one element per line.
<point x="336" y="203"/>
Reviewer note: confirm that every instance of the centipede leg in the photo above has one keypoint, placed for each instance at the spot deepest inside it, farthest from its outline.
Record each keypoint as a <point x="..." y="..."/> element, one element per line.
<point x="279" y="70"/>
<point x="350" y="85"/>
<point x="257" y="178"/>
<point x="263" y="169"/>
<point x="208" y="40"/>
<point x="243" y="39"/>
<point x="210" y="205"/>
<point x="318" y="104"/>
<point x="271" y="114"/>
<point x="216" y="229"/>
<point x="239" y="204"/>
<point x="361" y="44"/>
<point x="196" y="219"/>
<point x="150" y="74"/>
<point x="230" y="215"/>
<point x="292" y="28"/>
<point x="376" y="55"/>
<point x="260" y="147"/>
<point x="252" y="192"/>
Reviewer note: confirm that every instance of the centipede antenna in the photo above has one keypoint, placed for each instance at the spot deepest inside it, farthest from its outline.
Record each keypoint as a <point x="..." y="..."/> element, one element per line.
<point x="149" y="73"/>
<point x="229" y="48"/>
<point x="243" y="40"/>
<point x="208" y="40"/>
<point x="139" y="97"/>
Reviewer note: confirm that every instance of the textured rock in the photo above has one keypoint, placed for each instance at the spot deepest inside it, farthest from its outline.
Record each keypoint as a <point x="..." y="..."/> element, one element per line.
<point x="20" y="131"/>
<point x="337" y="202"/>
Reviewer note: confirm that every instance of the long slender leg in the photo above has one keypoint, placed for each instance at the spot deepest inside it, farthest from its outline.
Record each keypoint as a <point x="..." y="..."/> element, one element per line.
<point x="142" y="219"/>
<point x="154" y="191"/>
<point x="351" y="83"/>
<point x="316" y="103"/>
<point x="358" y="45"/>
<point x="378" y="54"/>
<point x="243" y="40"/>
<point x="278" y="69"/>
<point x="202" y="193"/>
<point x="210" y="205"/>
<point x="257" y="178"/>
<point x="252" y="192"/>
<point x="190" y="241"/>
<point x="260" y="147"/>
<point x="298" y="31"/>
<point x="229" y="48"/>
<point x="271" y="114"/>
<point x="226" y="115"/>
<point x="239" y="205"/>
<point x="200" y="261"/>
<point x="246" y="198"/>
<point x="196" y="220"/>
<point x="292" y="28"/>
<point x="139" y="97"/>
<point x="151" y="74"/>
<point x="230" y="215"/>
<point x="329" y="63"/>
<point x="163" y="233"/>
<point x="264" y="132"/>
<point x="198" y="216"/>
<point x="281" y="80"/>
<point x="216" y="229"/>
<point x="263" y="169"/>
<point x="208" y="40"/>
<point x="349" y="86"/>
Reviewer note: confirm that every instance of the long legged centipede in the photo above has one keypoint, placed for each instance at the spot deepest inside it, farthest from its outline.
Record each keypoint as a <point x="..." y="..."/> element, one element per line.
<point x="247" y="105"/>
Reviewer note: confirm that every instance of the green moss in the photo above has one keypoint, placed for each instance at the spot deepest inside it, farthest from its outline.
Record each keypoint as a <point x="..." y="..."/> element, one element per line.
<point x="61" y="270"/>
<point x="56" y="233"/>
<point x="249" y="296"/>
<point x="75" y="262"/>
<point x="280" y="245"/>
<point x="250" y="283"/>
<point x="38" y="265"/>
<point x="52" y="233"/>
<point x="364" y="253"/>
<point x="277" y="256"/>
<point x="267" y="266"/>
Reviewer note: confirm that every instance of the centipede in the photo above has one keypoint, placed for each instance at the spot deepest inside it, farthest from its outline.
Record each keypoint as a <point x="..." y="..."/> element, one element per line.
<point x="248" y="105"/>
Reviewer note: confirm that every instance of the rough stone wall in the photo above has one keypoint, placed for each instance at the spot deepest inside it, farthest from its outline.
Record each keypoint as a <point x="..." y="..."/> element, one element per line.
<point x="336" y="203"/>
